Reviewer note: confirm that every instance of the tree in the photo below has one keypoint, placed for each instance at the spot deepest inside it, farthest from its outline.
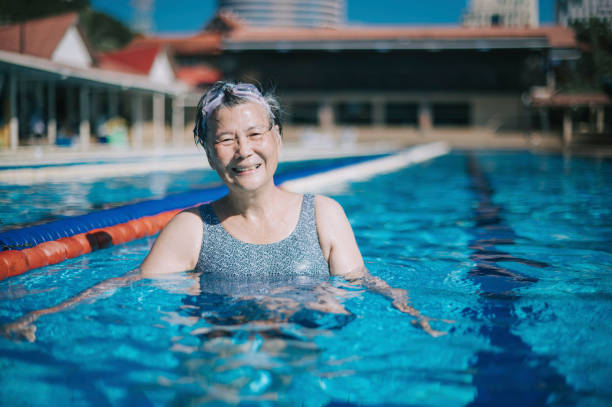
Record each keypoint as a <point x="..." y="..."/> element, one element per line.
<point x="594" y="69"/>
<point x="14" y="11"/>
<point x="103" y="32"/>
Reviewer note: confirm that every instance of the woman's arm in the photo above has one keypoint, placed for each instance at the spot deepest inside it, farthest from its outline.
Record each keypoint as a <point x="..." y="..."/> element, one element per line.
<point x="175" y="250"/>
<point x="177" y="247"/>
<point x="24" y="328"/>
<point x="342" y="253"/>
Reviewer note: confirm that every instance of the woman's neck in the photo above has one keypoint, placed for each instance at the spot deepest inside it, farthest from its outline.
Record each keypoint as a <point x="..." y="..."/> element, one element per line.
<point x="250" y="204"/>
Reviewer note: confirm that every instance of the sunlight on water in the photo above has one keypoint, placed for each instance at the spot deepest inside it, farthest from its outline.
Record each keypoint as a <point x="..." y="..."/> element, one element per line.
<point x="508" y="253"/>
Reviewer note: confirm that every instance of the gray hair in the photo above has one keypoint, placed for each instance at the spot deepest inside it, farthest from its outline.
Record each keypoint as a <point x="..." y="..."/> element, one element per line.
<point x="228" y="94"/>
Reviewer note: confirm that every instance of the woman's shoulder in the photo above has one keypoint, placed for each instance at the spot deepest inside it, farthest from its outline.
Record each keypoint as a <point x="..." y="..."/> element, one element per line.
<point x="187" y="220"/>
<point x="190" y="213"/>
<point x="177" y="246"/>
<point x="327" y="207"/>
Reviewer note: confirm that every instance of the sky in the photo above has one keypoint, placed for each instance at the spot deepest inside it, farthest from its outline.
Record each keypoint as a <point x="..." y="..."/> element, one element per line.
<point x="184" y="16"/>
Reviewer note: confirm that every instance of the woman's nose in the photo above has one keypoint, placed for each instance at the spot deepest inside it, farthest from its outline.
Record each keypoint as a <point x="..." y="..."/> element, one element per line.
<point x="243" y="146"/>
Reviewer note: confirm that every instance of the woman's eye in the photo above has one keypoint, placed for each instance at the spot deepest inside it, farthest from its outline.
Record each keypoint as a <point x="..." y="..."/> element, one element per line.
<point x="225" y="141"/>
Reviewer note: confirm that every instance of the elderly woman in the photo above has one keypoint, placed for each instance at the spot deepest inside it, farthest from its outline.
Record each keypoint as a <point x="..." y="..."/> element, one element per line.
<point x="257" y="230"/>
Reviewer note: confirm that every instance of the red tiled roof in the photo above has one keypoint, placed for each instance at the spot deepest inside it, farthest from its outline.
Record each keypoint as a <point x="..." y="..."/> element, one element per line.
<point x="202" y="43"/>
<point x="558" y="37"/>
<point x="198" y="75"/>
<point x="40" y="37"/>
<point x="137" y="58"/>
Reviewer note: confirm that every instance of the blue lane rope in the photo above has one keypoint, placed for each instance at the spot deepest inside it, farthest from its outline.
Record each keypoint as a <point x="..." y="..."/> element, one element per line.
<point x="31" y="236"/>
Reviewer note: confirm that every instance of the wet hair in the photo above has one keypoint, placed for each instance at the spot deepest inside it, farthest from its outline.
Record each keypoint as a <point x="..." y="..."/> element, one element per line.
<point x="229" y="94"/>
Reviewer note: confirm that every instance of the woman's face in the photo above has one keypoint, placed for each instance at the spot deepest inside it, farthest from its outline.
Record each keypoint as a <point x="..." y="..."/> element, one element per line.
<point x="244" y="148"/>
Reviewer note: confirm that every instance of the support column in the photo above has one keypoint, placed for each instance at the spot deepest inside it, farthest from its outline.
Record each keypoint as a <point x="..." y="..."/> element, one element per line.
<point x="178" y="120"/>
<point x="326" y="116"/>
<point x="159" y="110"/>
<point x="84" y="126"/>
<point x="51" y="114"/>
<point x="94" y="113"/>
<point x="425" y="119"/>
<point x="378" y="112"/>
<point x="137" y="115"/>
<point x="567" y="127"/>
<point x="14" y="119"/>
<point x="600" y="119"/>
<point x="23" y="107"/>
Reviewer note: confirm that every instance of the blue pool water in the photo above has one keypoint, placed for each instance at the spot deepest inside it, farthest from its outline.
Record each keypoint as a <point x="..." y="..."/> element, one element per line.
<point x="513" y="247"/>
<point x="23" y="205"/>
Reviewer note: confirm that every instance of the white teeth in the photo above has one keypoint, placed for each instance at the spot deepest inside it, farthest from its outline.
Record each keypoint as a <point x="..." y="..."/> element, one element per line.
<point x="244" y="169"/>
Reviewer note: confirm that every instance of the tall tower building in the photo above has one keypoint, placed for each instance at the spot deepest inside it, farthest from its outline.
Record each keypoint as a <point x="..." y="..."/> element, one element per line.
<point x="507" y="13"/>
<point x="576" y="10"/>
<point x="287" y="13"/>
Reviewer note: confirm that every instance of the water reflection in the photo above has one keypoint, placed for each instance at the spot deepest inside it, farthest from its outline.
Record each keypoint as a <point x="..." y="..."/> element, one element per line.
<point x="248" y="339"/>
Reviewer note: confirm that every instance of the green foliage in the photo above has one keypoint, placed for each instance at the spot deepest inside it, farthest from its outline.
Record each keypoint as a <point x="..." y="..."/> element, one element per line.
<point x="12" y="11"/>
<point x="594" y="69"/>
<point x="105" y="33"/>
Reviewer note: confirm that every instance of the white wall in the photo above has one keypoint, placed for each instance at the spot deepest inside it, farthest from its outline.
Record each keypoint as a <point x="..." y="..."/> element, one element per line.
<point x="71" y="50"/>
<point x="161" y="70"/>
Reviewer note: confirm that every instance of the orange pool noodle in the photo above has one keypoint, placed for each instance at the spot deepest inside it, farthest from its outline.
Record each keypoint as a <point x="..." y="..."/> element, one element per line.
<point x="54" y="251"/>
<point x="12" y="263"/>
<point x="35" y="257"/>
<point x="73" y="246"/>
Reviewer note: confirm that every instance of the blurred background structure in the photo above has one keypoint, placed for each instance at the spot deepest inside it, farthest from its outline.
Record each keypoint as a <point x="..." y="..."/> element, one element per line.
<point x="509" y="13"/>
<point x="571" y="11"/>
<point x="74" y="76"/>
<point x="288" y="13"/>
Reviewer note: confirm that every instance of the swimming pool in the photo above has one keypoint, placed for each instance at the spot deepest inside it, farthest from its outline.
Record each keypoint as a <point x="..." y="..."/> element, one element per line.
<point x="513" y="247"/>
<point x="24" y="205"/>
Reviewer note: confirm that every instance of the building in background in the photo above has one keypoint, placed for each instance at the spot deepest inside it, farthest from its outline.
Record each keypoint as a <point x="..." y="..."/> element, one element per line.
<point x="577" y="10"/>
<point x="55" y="90"/>
<point x="507" y="13"/>
<point x="337" y="84"/>
<point x="287" y="13"/>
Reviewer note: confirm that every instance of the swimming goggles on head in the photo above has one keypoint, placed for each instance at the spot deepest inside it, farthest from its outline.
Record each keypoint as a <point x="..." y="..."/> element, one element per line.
<point x="241" y="90"/>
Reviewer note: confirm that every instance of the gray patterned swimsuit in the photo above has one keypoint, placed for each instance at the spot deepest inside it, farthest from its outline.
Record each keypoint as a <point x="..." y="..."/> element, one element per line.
<point x="299" y="255"/>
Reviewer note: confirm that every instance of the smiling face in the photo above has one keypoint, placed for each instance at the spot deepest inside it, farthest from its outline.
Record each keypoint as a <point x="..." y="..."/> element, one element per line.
<point x="242" y="147"/>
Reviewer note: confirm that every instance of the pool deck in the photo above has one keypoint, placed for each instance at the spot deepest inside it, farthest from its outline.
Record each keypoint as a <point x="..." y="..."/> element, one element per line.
<point x="50" y="163"/>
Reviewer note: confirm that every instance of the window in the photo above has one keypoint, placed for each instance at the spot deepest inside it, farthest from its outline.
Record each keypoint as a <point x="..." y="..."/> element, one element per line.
<point x="401" y="113"/>
<point x="304" y="113"/>
<point x="354" y="113"/>
<point x="451" y="114"/>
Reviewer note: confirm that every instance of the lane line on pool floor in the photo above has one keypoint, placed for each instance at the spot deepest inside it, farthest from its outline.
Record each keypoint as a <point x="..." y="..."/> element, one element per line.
<point x="513" y="368"/>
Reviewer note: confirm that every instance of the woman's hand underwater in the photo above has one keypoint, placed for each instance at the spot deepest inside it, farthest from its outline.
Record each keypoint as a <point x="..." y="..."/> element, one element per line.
<point x="21" y="329"/>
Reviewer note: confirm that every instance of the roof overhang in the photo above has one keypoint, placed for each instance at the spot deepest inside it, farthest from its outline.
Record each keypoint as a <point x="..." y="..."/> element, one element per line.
<point x="565" y="54"/>
<point x="10" y="61"/>
<point x="478" y="44"/>
<point x="543" y="98"/>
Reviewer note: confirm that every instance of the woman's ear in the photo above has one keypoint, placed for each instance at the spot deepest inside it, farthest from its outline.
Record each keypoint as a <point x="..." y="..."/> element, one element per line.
<point x="276" y="131"/>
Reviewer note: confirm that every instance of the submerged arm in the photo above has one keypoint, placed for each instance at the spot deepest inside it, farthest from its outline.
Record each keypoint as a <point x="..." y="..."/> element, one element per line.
<point x="398" y="296"/>
<point x="24" y="328"/>
<point x="342" y="253"/>
<point x="174" y="251"/>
